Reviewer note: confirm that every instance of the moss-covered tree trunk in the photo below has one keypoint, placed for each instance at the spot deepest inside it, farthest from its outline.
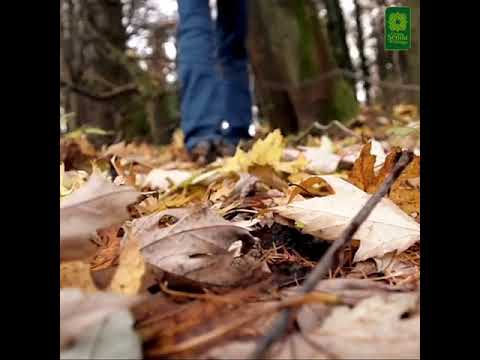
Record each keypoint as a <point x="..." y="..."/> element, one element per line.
<point x="337" y="33"/>
<point x="291" y="60"/>
<point x="88" y="64"/>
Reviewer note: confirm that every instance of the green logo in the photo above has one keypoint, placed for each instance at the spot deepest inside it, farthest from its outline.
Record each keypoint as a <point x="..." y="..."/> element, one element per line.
<point x="397" y="28"/>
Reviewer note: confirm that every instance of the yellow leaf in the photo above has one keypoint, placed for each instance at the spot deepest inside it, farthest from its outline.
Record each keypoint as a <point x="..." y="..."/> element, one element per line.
<point x="265" y="152"/>
<point x="128" y="278"/>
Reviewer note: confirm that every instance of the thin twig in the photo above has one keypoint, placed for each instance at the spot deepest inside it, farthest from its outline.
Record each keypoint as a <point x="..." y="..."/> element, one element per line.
<point x="317" y="126"/>
<point x="193" y="343"/>
<point x="108" y="95"/>
<point x="278" y="85"/>
<point x="327" y="261"/>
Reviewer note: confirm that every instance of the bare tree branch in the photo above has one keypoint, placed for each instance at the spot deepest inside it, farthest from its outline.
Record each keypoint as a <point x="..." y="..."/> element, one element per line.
<point x="130" y="88"/>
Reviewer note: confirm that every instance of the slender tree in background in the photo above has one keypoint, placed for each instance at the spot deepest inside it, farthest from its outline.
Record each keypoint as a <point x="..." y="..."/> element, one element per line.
<point x="293" y="63"/>
<point x="412" y="68"/>
<point x="337" y="34"/>
<point x="364" y="67"/>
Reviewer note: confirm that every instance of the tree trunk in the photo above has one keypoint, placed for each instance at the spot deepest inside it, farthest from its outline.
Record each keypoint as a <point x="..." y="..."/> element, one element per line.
<point x="361" y="49"/>
<point x="87" y="63"/>
<point x="292" y="63"/>
<point x="337" y="34"/>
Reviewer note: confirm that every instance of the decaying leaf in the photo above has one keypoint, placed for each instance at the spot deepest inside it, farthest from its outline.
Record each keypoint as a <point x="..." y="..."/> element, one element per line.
<point x="376" y="328"/>
<point x="195" y="247"/>
<point x="163" y="179"/>
<point x="403" y="193"/>
<point x="97" y="204"/>
<point x="371" y="166"/>
<point x="266" y="175"/>
<point x="387" y="229"/>
<point x="128" y="278"/>
<point x="76" y="274"/>
<point x="320" y="160"/>
<point x="111" y="338"/>
<point x="350" y="291"/>
<point x="79" y="311"/>
<point x="406" y="112"/>
<point x="313" y="186"/>
<point x="70" y="180"/>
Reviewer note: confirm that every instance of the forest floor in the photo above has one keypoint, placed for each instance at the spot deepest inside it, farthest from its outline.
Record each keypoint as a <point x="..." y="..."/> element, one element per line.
<point x="163" y="258"/>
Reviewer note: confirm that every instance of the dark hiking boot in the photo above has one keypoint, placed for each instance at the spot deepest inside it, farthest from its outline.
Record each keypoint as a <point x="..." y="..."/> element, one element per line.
<point x="203" y="153"/>
<point x="224" y="149"/>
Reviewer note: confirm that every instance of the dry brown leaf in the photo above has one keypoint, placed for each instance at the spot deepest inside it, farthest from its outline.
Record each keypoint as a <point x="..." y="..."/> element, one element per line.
<point x="402" y="192"/>
<point x="350" y="291"/>
<point x="79" y="311"/>
<point x="76" y="274"/>
<point x="387" y="228"/>
<point x="374" y="329"/>
<point x="362" y="174"/>
<point x="268" y="176"/>
<point x="196" y="247"/>
<point x="405" y="192"/>
<point x="128" y="278"/>
<point x="109" y="249"/>
<point x="313" y="186"/>
<point x="96" y="205"/>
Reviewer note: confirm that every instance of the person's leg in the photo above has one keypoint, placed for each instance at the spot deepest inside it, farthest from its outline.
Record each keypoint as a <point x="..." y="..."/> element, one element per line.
<point x="201" y="94"/>
<point x="231" y="34"/>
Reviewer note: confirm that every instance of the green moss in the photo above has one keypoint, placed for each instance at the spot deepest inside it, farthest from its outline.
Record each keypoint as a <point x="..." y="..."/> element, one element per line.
<point x="344" y="104"/>
<point x="307" y="29"/>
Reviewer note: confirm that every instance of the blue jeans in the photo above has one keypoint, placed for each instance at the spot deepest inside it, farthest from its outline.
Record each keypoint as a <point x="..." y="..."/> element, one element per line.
<point x="213" y="70"/>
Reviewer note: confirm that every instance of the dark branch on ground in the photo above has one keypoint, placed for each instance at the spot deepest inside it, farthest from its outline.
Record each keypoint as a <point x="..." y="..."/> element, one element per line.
<point x="326" y="263"/>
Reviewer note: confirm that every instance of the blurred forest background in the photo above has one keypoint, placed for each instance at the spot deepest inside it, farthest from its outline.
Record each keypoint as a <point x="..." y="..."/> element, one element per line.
<point x="311" y="60"/>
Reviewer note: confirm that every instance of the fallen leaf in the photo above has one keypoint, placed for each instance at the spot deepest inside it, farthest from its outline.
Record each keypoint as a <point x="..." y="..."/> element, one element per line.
<point x="76" y="274"/>
<point x="164" y="179"/>
<point x="371" y="166"/>
<point x="195" y="247"/>
<point x="387" y="228"/>
<point x="95" y="205"/>
<point x="128" y="278"/>
<point x="79" y="311"/>
<point x="350" y="291"/>
<point x="313" y="186"/>
<point x="321" y="161"/>
<point x="111" y="338"/>
<point x="362" y="174"/>
<point x="402" y="192"/>
<point x="268" y="176"/>
<point x="374" y="329"/>
<point x="405" y="192"/>
<point x="70" y="180"/>
<point x="405" y="112"/>
<point x="265" y="152"/>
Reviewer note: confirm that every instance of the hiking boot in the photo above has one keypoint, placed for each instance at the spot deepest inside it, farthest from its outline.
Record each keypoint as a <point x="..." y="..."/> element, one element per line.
<point x="224" y="149"/>
<point x="203" y="153"/>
